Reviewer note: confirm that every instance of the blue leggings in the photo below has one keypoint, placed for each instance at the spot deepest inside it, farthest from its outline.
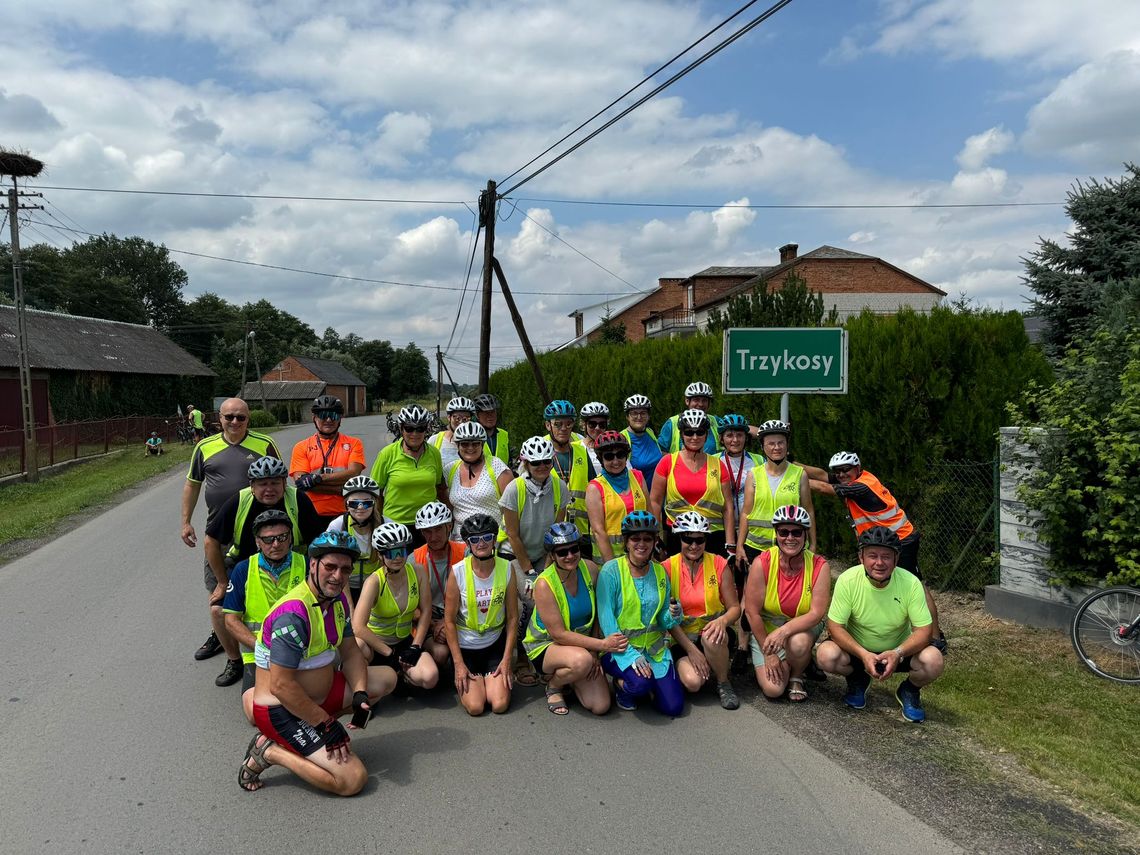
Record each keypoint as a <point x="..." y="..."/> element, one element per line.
<point x="667" y="692"/>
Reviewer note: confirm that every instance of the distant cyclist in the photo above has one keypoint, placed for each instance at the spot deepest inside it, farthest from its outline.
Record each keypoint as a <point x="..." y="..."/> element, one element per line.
<point x="487" y="414"/>
<point x="153" y="445"/>
<point x="459" y="410"/>
<point x="698" y="396"/>
<point x="322" y="463"/>
<point x="644" y="451"/>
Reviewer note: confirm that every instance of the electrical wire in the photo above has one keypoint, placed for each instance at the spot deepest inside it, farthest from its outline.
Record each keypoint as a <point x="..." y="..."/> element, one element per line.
<point x="857" y="206"/>
<point x="597" y="264"/>
<point x="255" y="196"/>
<point x="467" y="278"/>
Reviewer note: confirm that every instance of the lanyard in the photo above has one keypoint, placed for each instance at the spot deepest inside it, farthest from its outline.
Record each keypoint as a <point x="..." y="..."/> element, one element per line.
<point x="325" y="454"/>
<point x="736" y="478"/>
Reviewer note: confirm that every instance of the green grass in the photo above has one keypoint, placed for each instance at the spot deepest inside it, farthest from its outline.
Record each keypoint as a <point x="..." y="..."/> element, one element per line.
<point x="1022" y="691"/>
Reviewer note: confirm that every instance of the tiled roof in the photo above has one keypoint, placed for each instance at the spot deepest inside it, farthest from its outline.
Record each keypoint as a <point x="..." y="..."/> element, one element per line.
<point x="331" y="371"/>
<point x="826" y="251"/>
<point x="283" y="390"/>
<point x="732" y="271"/>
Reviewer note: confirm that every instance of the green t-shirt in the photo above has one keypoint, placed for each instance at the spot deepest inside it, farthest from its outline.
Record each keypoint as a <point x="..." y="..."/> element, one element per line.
<point x="196" y="419"/>
<point x="408" y="484"/>
<point x="878" y="618"/>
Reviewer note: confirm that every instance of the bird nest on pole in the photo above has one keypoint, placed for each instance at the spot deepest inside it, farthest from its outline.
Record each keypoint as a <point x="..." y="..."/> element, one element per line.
<point x="19" y="165"/>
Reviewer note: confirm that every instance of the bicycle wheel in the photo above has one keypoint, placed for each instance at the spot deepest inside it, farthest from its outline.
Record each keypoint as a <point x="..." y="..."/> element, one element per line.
<point x="1106" y="634"/>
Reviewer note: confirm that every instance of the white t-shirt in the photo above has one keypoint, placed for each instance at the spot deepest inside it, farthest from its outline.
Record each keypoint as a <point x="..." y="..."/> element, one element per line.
<point x="480" y="498"/>
<point x="469" y="638"/>
<point x="364" y="541"/>
<point x="448" y="450"/>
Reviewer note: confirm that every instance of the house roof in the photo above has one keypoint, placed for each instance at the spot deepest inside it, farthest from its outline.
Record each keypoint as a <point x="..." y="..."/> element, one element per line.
<point x="282" y="390"/>
<point x="826" y="251"/>
<point x="728" y="271"/>
<point x="73" y="343"/>
<point x="330" y="371"/>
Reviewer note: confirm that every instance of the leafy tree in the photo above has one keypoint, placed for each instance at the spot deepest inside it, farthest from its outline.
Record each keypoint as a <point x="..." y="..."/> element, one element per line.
<point x="411" y="374"/>
<point x="378" y="356"/>
<point x="141" y="268"/>
<point x="611" y="332"/>
<point x="1104" y="247"/>
<point x="203" y="321"/>
<point x="791" y="305"/>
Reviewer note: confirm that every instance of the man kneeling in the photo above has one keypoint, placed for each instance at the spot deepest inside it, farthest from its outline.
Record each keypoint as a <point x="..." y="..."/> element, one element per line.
<point x="298" y="694"/>
<point x="879" y="624"/>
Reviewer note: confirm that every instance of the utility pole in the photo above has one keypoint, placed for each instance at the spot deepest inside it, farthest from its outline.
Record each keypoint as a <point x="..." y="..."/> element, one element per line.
<point x="488" y="213"/>
<point x="438" y="380"/>
<point x="244" y="360"/>
<point x="257" y="365"/>
<point x="517" y="318"/>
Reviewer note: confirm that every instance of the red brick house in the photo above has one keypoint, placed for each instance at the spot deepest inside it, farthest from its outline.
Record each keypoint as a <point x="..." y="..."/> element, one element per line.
<point x="296" y="380"/>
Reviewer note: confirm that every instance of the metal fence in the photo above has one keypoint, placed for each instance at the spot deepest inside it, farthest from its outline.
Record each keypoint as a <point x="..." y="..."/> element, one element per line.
<point x="956" y="515"/>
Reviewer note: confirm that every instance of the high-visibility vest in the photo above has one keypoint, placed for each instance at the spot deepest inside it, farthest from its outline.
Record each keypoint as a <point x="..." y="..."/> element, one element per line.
<point x="675" y="434"/>
<point x="387" y="619"/>
<point x="502" y="446"/>
<point x="368" y="562"/>
<point x="774" y="615"/>
<point x="649" y="640"/>
<point x="261" y="592"/>
<point x="761" y="535"/>
<point x="892" y="516"/>
<point x="496" y="611"/>
<point x="710" y="505"/>
<point x="488" y="470"/>
<point x="628" y="434"/>
<point x="537" y="635"/>
<point x="319" y="638"/>
<point x="615" y="508"/>
<point x="245" y="502"/>
<point x="579" y="478"/>
<point x="714" y="606"/>
<point x="439" y="439"/>
<point x="521" y="496"/>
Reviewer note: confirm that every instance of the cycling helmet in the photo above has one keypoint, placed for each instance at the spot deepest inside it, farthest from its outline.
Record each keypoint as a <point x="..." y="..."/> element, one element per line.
<point x="791" y="515"/>
<point x="271" y="517"/>
<point x="610" y="438"/>
<point x="698" y="390"/>
<point x="460" y="405"/>
<point x="843" y="458"/>
<point x="414" y="415"/>
<point x="693" y="419"/>
<point x="690" y="521"/>
<point x="639" y="521"/>
<point x="560" y="534"/>
<point x="594" y="408"/>
<point x="880" y="536"/>
<point x="360" y="484"/>
<point x="733" y="421"/>
<point x="327" y="402"/>
<point x="433" y="514"/>
<point x="334" y="542"/>
<point x="391" y="535"/>
<point x="559" y="409"/>
<point x="775" y="426"/>
<point x="637" y="402"/>
<point x="485" y="403"/>
<point x="469" y="432"/>
<point x="267" y="467"/>
<point x="478" y="524"/>
<point x="536" y="448"/>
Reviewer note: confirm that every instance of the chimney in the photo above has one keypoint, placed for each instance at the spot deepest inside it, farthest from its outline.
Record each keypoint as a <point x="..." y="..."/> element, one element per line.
<point x="577" y="316"/>
<point x="788" y="252"/>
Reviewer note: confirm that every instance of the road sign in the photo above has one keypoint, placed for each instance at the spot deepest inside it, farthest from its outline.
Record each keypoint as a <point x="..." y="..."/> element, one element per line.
<point x="785" y="359"/>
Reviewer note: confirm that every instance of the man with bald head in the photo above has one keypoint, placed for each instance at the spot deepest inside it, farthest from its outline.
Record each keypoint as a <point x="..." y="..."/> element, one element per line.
<point x="221" y="464"/>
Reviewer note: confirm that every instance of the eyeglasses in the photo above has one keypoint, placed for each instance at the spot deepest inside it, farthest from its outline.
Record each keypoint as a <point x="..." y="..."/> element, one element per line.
<point x="642" y="538"/>
<point x="842" y="470"/>
<point x="234" y="417"/>
<point x="360" y="504"/>
<point x="692" y="432"/>
<point x="614" y="455"/>
<point x="692" y="540"/>
<point x="272" y="539"/>
<point x="534" y="463"/>
<point x="413" y="429"/>
<point x="790" y="532"/>
<point x="564" y="551"/>
<point x="562" y="424"/>
<point x="476" y="539"/>
<point x="336" y="568"/>
<point x="328" y="415"/>
<point x="469" y="443"/>
<point x="395" y="552"/>
<point x="597" y="424"/>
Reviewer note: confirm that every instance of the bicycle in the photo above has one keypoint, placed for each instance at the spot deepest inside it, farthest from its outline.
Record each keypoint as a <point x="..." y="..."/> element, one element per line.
<point x="1106" y="633"/>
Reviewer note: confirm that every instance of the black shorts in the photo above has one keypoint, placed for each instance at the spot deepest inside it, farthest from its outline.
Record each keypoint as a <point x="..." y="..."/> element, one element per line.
<point x="908" y="554"/>
<point x="392" y="660"/>
<point x="248" y="676"/>
<point x="486" y="659"/>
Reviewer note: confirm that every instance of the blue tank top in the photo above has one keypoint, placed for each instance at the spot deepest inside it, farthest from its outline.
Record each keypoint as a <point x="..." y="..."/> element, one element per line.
<point x="579" y="605"/>
<point x="644" y="456"/>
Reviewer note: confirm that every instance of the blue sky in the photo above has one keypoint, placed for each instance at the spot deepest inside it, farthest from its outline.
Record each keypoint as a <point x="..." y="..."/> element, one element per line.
<point x="863" y="102"/>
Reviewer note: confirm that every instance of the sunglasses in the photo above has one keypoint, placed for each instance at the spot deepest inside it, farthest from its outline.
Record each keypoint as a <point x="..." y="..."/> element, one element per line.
<point x="469" y="443"/>
<point x="395" y="552"/>
<point x="336" y="568"/>
<point x="272" y="539"/>
<point x="413" y="429"/>
<point x="790" y="532"/>
<point x="481" y="539"/>
<point x="234" y="417"/>
<point x="328" y="415"/>
<point x="564" y="551"/>
<point x="642" y="538"/>
<point x="692" y="540"/>
<point x="360" y="504"/>
<point x="842" y="470"/>
<point x="535" y="463"/>
<point x="597" y="424"/>
<point x="691" y="432"/>
<point x="562" y="424"/>
<point x="614" y="455"/>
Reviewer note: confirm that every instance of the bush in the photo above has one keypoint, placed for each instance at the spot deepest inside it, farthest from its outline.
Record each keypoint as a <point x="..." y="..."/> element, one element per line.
<point x="262" y="419"/>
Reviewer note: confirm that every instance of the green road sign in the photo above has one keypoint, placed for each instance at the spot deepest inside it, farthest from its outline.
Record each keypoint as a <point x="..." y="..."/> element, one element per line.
<point x="782" y="359"/>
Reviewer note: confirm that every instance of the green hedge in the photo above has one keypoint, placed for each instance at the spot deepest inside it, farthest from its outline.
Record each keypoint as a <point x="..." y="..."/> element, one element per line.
<point x="922" y="389"/>
<point x="262" y="419"/>
<point x="82" y="396"/>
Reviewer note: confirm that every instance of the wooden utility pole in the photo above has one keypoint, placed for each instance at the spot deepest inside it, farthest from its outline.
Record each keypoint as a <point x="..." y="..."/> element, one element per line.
<point x="488" y="213"/>
<point x="517" y="318"/>
<point x="257" y="365"/>
<point x="438" y="380"/>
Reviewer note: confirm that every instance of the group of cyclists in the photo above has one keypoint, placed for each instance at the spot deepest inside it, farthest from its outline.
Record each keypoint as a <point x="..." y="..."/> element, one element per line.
<point x="613" y="567"/>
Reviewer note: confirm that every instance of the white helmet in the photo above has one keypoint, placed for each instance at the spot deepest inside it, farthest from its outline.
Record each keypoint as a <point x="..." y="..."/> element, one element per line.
<point x="774" y="426"/>
<point x="433" y="514"/>
<point x="637" y="402"/>
<point x="698" y="390"/>
<point x="791" y="515"/>
<point x="690" y="522"/>
<point x="460" y="405"/>
<point x="843" y="458"/>
<point x="594" y="408"/>
<point x="267" y="467"/>
<point x="470" y="432"/>
<point x="693" y="419"/>
<point x="414" y="416"/>
<point x="536" y="448"/>
<point x="360" y="484"/>
<point x="391" y="535"/>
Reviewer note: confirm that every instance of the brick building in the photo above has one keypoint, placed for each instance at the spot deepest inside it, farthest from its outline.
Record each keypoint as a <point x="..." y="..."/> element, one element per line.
<point x="296" y="380"/>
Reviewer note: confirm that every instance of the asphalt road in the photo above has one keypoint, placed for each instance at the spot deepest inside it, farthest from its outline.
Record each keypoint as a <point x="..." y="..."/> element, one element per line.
<point x="118" y="741"/>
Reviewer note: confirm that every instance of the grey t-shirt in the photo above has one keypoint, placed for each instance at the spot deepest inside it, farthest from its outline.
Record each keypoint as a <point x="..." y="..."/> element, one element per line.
<point x="223" y="469"/>
<point x="538" y="512"/>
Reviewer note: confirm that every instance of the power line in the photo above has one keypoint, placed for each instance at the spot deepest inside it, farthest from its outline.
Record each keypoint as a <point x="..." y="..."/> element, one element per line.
<point x="255" y="196"/>
<point x="755" y="22"/>
<point x="857" y="206"/>
<point x="597" y="264"/>
<point x="467" y="277"/>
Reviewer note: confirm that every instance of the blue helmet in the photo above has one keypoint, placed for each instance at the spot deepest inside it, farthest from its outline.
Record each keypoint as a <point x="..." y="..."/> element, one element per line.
<point x="733" y="421"/>
<point x="334" y="541"/>
<point x="560" y="534"/>
<point x="559" y="409"/>
<point x="639" y="521"/>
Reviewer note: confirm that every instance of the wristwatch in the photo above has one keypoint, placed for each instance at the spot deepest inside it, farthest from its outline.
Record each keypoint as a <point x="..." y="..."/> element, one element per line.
<point x="899" y="653"/>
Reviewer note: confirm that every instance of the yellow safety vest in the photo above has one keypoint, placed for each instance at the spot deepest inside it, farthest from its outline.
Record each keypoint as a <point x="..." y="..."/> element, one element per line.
<point x="502" y="449"/>
<point x="521" y="497"/>
<point x="319" y="639"/>
<point x="387" y="619"/>
<point x="579" y="478"/>
<point x="773" y="615"/>
<point x="496" y="611"/>
<point x="614" y="508"/>
<point x="488" y="470"/>
<point x="537" y="635"/>
<point x="761" y="535"/>
<point x="245" y="502"/>
<point x="710" y="505"/>
<point x="675" y="435"/>
<point x="261" y="591"/>
<point x="649" y="640"/>
<point x="714" y="606"/>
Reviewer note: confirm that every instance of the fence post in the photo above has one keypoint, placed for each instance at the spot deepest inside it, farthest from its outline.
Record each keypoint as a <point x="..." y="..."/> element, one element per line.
<point x="51" y="451"/>
<point x="106" y="435"/>
<point x="75" y="442"/>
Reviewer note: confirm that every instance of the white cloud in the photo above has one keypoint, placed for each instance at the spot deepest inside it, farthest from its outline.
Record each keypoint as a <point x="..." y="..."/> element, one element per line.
<point x="861" y="237"/>
<point x="400" y="135"/>
<point x="979" y="148"/>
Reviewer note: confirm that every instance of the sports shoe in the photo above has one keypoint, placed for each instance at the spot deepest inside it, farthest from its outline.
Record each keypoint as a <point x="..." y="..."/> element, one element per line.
<point x="728" y="699"/>
<point x="907" y="694"/>
<point x="232" y="673"/>
<point x="210" y="647"/>
<point x="857" y="684"/>
<point x="624" y="701"/>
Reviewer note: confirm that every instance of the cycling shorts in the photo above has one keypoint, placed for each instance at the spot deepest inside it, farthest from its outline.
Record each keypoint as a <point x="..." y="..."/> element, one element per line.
<point x="293" y="733"/>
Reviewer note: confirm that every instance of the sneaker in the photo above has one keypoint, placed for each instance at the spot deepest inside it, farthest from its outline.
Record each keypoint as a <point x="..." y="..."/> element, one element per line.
<point x="728" y="699"/>
<point x="210" y="647"/>
<point x="857" y="684"/>
<point x="907" y="694"/>
<point x="232" y="673"/>
<point x="623" y="701"/>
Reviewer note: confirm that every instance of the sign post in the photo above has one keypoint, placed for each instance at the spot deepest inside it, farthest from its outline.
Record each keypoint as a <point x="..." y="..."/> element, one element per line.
<point x="785" y="359"/>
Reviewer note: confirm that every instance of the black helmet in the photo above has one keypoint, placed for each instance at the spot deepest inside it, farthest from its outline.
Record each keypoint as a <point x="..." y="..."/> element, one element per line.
<point x="485" y="403"/>
<point x="270" y="517"/>
<point x="327" y="402"/>
<point x="478" y="524"/>
<point x="880" y="536"/>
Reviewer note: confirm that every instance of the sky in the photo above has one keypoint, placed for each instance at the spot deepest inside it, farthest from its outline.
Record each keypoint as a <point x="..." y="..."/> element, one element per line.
<point x="826" y="103"/>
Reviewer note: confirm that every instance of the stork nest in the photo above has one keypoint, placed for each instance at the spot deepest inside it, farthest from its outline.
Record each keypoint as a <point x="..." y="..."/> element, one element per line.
<point x="19" y="165"/>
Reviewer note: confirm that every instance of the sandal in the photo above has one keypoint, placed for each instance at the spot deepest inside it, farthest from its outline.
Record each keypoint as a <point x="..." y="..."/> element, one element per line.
<point x="796" y="691"/>
<point x="557" y="707"/>
<point x="249" y="778"/>
<point x="525" y="677"/>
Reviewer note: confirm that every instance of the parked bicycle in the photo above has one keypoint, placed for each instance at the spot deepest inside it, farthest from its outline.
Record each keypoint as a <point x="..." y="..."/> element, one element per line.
<point x="1106" y="633"/>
